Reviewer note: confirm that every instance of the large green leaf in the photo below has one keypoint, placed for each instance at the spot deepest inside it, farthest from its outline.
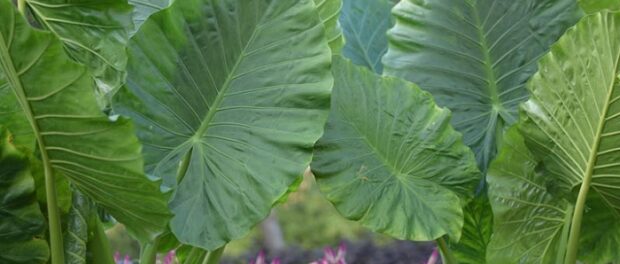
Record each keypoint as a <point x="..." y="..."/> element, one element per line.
<point x="530" y="224"/>
<point x="382" y="160"/>
<point x="94" y="32"/>
<point x="475" y="57"/>
<point x="364" y="24"/>
<point x="143" y="9"/>
<point x="572" y="121"/>
<point x="56" y="97"/>
<point x="329" y="10"/>
<point x="21" y="221"/>
<point x="240" y="88"/>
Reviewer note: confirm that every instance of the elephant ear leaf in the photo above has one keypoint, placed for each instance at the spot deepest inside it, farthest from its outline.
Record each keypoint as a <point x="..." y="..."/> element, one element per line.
<point x="22" y="225"/>
<point x="364" y="24"/>
<point x="475" y="57"/>
<point x="572" y="121"/>
<point x="55" y="96"/>
<point x="94" y="33"/>
<point x="239" y="92"/>
<point x="389" y="158"/>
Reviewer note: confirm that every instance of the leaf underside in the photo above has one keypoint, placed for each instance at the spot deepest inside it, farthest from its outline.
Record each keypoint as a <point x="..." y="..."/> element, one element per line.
<point x="572" y="132"/>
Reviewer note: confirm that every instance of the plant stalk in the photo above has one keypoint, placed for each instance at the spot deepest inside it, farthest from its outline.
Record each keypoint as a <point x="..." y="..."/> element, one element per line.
<point x="195" y="255"/>
<point x="149" y="252"/>
<point x="184" y="165"/>
<point x="446" y="254"/>
<point x="98" y="243"/>
<point x="213" y="257"/>
<point x="575" y="228"/>
<point x="53" y="214"/>
<point x="21" y="7"/>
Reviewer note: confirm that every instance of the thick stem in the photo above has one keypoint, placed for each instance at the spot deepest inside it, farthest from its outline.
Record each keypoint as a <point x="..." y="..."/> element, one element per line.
<point x="213" y="257"/>
<point x="149" y="252"/>
<point x="21" y="6"/>
<point x="575" y="228"/>
<point x="53" y="214"/>
<point x="195" y="256"/>
<point x="98" y="243"/>
<point x="446" y="254"/>
<point x="184" y="165"/>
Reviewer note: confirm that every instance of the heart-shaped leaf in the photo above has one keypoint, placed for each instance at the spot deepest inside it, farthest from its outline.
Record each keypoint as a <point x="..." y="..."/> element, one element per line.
<point x="235" y="91"/>
<point x="389" y="158"/>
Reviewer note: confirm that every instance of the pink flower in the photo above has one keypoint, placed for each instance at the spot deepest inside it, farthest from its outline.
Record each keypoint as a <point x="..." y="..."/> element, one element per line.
<point x="329" y="257"/>
<point x="434" y="257"/>
<point x="127" y="260"/>
<point x="117" y="257"/>
<point x="260" y="259"/>
<point x="169" y="258"/>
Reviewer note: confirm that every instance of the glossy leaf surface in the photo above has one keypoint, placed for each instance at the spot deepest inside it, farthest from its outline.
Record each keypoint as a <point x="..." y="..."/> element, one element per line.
<point x="143" y="9"/>
<point x="94" y="32"/>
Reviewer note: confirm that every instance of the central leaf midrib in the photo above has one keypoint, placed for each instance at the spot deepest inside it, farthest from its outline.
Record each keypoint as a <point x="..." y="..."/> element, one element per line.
<point x="587" y="178"/>
<point x="488" y="62"/>
<point x="20" y="94"/>
<point x="225" y="86"/>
